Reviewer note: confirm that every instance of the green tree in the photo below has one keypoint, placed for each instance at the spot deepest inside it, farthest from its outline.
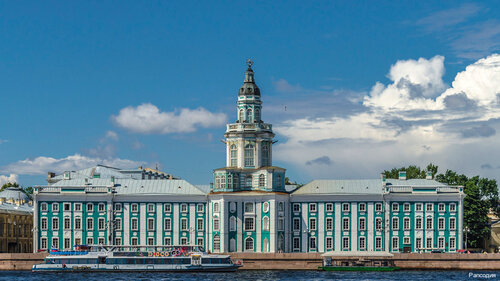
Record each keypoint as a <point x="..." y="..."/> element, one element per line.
<point x="28" y="190"/>
<point x="9" y="184"/>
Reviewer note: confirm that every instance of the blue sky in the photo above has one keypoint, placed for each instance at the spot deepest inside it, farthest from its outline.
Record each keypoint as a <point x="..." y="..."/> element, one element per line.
<point x="366" y="86"/>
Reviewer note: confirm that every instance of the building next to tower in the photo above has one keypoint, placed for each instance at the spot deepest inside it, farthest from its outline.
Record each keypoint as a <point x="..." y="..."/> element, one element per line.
<point x="248" y="208"/>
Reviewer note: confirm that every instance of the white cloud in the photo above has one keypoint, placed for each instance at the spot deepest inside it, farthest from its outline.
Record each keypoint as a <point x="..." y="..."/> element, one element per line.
<point x="148" y="119"/>
<point x="12" y="178"/>
<point x="454" y="127"/>
<point x="41" y="165"/>
<point x="112" y="135"/>
<point x="3" y="141"/>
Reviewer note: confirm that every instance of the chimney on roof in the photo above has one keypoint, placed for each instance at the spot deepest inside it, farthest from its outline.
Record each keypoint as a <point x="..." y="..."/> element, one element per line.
<point x="402" y="175"/>
<point x="51" y="175"/>
<point x="382" y="177"/>
<point x="429" y="175"/>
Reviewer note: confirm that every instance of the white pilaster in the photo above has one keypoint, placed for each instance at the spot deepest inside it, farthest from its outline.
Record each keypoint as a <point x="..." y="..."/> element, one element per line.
<point x="321" y="227"/>
<point x="142" y="230"/>
<point x="192" y="223"/>
<point x="354" y="226"/>
<point x="305" y="228"/>
<point x="338" y="218"/>
<point x="272" y="226"/>
<point x="258" y="225"/>
<point x="176" y="214"/>
<point x="239" y="226"/>
<point x="370" y="233"/>
<point x="126" y="224"/>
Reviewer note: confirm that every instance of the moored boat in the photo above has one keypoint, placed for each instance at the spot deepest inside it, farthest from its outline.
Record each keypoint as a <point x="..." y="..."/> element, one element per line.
<point x="357" y="261"/>
<point x="136" y="258"/>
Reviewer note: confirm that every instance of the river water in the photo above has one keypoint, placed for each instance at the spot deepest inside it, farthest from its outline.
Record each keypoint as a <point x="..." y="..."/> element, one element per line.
<point x="258" y="275"/>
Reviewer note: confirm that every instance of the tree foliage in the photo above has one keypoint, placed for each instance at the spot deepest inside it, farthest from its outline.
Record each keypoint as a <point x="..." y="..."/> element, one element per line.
<point x="481" y="198"/>
<point x="9" y="184"/>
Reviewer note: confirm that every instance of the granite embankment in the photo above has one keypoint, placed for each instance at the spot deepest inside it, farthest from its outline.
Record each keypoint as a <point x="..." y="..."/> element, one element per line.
<point x="309" y="261"/>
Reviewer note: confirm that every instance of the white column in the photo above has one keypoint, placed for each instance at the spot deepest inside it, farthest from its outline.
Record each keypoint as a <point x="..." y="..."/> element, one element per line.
<point x="176" y="215"/>
<point x="36" y="227"/>
<point x="354" y="226"/>
<point x="192" y="223"/>
<point x="460" y="223"/>
<point x="272" y="226"/>
<point x="321" y="227"/>
<point x="338" y="219"/>
<point x="387" y="225"/>
<point x="370" y="234"/>
<point x="142" y="230"/>
<point x="241" y="151"/>
<point x="258" y="225"/>
<point x="126" y="224"/>
<point x="258" y="148"/>
<point x="239" y="226"/>
<point x="223" y="226"/>
<point x="209" y="233"/>
<point x="159" y="225"/>
<point x="305" y="228"/>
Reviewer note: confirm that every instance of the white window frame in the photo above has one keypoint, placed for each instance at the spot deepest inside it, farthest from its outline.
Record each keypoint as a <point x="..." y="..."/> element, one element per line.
<point x="200" y="224"/>
<point x="43" y="243"/>
<point x="406" y="223"/>
<point x="329" y="243"/>
<point x="200" y="241"/>
<point x="313" y="207"/>
<point x="216" y="224"/>
<point x="452" y="242"/>
<point x="134" y="207"/>
<point x="136" y="228"/>
<point x="167" y="224"/>
<point x="379" y="224"/>
<point x="312" y="224"/>
<point x="346" y="243"/>
<point x="184" y="241"/>
<point x="90" y="207"/>
<point x="378" y="207"/>
<point x="313" y="245"/>
<point x="151" y="241"/>
<point x="67" y="207"/>
<point x="151" y="208"/>
<point x="200" y="208"/>
<point x="55" y="242"/>
<point x="265" y="207"/>
<point x="117" y="207"/>
<point x="91" y="220"/>
<point x="296" y="222"/>
<point x="329" y="207"/>
<point x="441" y="208"/>
<point x="418" y="207"/>
<point x="167" y="208"/>
<point x="43" y="224"/>
<point x="251" y="209"/>
<point x="344" y="221"/>
<point x="395" y="207"/>
<point x="395" y="223"/>
<point x="454" y="226"/>
<point x="431" y="219"/>
<point x="296" y="243"/>
<point x="406" y="240"/>
<point x="250" y="239"/>
<point x="134" y="241"/>
<point x="57" y="223"/>
<point x="78" y="207"/>
<point x="362" y="223"/>
<point x="252" y="220"/>
<point x="329" y="224"/>
<point x="378" y="243"/>
<point x="67" y="223"/>
<point x="118" y="224"/>
<point x="296" y="207"/>
<point x="184" y="224"/>
<point x="362" y="205"/>
<point x="419" y="223"/>
<point x="184" y="208"/>
<point x="167" y="241"/>
<point x="362" y="243"/>
<point x="406" y="207"/>
<point x="454" y="209"/>
<point x="151" y="226"/>
<point x="395" y="241"/>
<point x="44" y="207"/>
<point x="99" y="227"/>
<point x="441" y="223"/>
<point x="346" y="207"/>
<point x="431" y="209"/>
<point x="101" y="207"/>
<point x="55" y="207"/>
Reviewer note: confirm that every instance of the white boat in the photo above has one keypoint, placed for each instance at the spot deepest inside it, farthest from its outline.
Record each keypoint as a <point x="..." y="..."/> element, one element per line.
<point x="135" y="258"/>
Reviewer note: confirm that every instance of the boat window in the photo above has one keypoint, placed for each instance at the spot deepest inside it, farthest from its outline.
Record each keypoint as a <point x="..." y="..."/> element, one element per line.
<point x="149" y="261"/>
<point x="101" y="260"/>
<point x="130" y="261"/>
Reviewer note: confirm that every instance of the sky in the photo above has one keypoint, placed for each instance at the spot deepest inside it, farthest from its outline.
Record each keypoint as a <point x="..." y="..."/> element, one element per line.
<point x="351" y="87"/>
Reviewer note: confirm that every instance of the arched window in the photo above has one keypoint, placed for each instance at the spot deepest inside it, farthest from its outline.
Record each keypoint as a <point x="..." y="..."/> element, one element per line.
<point x="262" y="180"/>
<point x="249" y="116"/>
<point x="232" y="224"/>
<point x="232" y="245"/>
<point x="248" y="181"/>
<point x="265" y="224"/>
<point x="248" y="244"/>
<point x="257" y="115"/>
<point x="242" y="116"/>
<point x="236" y="179"/>
<point x="265" y="154"/>
<point x="278" y="180"/>
<point x="229" y="181"/>
<point x="249" y="162"/>
<point x="223" y="181"/>
<point x="234" y="155"/>
<point x="265" y="246"/>
<point x="217" y="182"/>
<point x="281" y="243"/>
<point x="216" y="243"/>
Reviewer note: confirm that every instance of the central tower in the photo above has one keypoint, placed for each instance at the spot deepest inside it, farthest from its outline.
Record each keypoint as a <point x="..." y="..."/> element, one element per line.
<point x="249" y="146"/>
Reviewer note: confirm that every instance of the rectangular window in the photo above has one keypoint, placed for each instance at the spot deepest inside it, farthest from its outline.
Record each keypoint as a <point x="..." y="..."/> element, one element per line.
<point x="395" y="244"/>
<point x="453" y="243"/>
<point x="90" y="224"/>
<point x="441" y="207"/>
<point x="453" y="224"/>
<point x="118" y="241"/>
<point x="43" y="243"/>
<point x="296" y="207"/>
<point x="453" y="207"/>
<point x="90" y="207"/>
<point x="167" y="241"/>
<point x="345" y="243"/>
<point x="101" y="207"/>
<point x="296" y="224"/>
<point x="378" y="224"/>
<point x="118" y="207"/>
<point x="217" y="225"/>
<point x="418" y="223"/>
<point x="441" y="242"/>
<point x="67" y="223"/>
<point x="329" y="207"/>
<point x="55" y="243"/>
<point x="418" y="207"/>
<point x="329" y="224"/>
<point x="200" y="208"/>
<point x="78" y="207"/>
<point x="406" y="223"/>
<point x="378" y="207"/>
<point x="134" y="208"/>
<point x="429" y="207"/>
<point x="312" y="224"/>
<point x="312" y="207"/>
<point x="118" y="224"/>
<point x="345" y="224"/>
<point x="200" y="225"/>
<point x="395" y="223"/>
<point x="329" y="243"/>
<point x="345" y="207"/>
<point x="312" y="243"/>
<point x="167" y="225"/>
<point x="362" y="243"/>
<point x="362" y="207"/>
<point x="249" y="224"/>
<point x="134" y="241"/>
<point x="362" y="223"/>
<point x="248" y="207"/>
<point x="429" y="223"/>
<point x="135" y="224"/>
<point x="43" y="208"/>
<point x="167" y="207"/>
<point x="67" y="208"/>
<point x="406" y="207"/>
<point x="296" y="244"/>
<point x="151" y="208"/>
<point x="184" y="208"/>
<point x="199" y="241"/>
<point x="395" y="207"/>
<point x="90" y="241"/>
<point x="378" y="243"/>
<point x="101" y="224"/>
<point x="151" y="224"/>
<point x="429" y="243"/>
<point x="184" y="224"/>
<point x="55" y="207"/>
<point x="406" y="240"/>
<point x="151" y="241"/>
<point x="184" y="241"/>
<point x="418" y="243"/>
<point x="440" y="223"/>
<point x="55" y="223"/>
<point x="67" y="243"/>
<point x="44" y="224"/>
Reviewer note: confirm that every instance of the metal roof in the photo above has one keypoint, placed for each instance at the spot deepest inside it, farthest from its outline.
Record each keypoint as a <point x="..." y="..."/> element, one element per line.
<point x="14" y="193"/>
<point x="341" y="187"/>
<point x="414" y="182"/>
